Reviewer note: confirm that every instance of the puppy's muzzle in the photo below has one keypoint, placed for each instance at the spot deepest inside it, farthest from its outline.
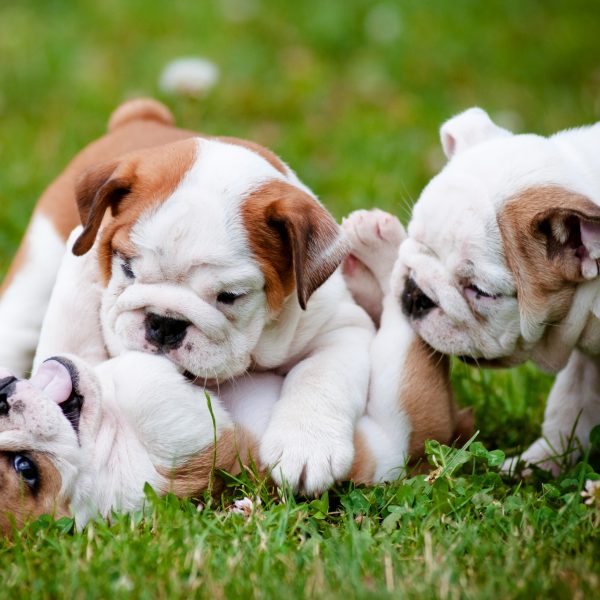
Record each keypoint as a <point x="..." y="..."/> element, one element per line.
<point x="165" y="332"/>
<point x="6" y="389"/>
<point x="415" y="303"/>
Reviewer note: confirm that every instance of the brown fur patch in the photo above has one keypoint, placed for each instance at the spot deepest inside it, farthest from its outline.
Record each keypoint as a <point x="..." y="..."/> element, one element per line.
<point x="132" y="186"/>
<point x="19" y="502"/>
<point x="546" y="271"/>
<point x="295" y="240"/>
<point x="363" y="467"/>
<point x="426" y="397"/>
<point x="191" y="479"/>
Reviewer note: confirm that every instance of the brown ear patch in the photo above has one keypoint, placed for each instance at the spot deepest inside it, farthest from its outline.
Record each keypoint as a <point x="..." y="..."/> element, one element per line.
<point x="19" y="503"/>
<point x="295" y="240"/>
<point x="135" y="184"/>
<point x="537" y="234"/>
<point x="426" y="397"/>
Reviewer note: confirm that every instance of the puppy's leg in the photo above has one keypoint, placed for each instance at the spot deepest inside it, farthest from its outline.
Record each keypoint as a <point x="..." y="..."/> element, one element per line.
<point x="573" y="409"/>
<point x="309" y="439"/>
<point x="363" y="286"/>
<point x="410" y="398"/>
<point x="25" y="293"/>
<point x="72" y="321"/>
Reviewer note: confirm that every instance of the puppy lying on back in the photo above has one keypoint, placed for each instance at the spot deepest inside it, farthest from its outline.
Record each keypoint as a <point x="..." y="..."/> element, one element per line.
<point x="83" y="441"/>
<point x="212" y="253"/>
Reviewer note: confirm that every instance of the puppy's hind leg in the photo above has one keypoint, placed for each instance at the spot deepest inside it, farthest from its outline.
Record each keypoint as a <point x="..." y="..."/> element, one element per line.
<point x="25" y="293"/>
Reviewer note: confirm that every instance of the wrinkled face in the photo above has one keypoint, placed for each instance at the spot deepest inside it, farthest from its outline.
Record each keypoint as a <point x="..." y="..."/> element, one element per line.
<point x="496" y="244"/>
<point x="209" y="239"/>
<point x="42" y="425"/>
<point x="460" y="298"/>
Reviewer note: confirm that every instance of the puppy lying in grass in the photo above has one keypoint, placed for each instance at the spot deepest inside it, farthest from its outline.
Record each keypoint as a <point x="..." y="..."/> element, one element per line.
<point x="84" y="436"/>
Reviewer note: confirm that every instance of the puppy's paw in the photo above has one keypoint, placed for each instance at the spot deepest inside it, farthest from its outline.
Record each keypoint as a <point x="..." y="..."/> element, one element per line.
<point x="375" y="237"/>
<point x="306" y="461"/>
<point x="539" y="454"/>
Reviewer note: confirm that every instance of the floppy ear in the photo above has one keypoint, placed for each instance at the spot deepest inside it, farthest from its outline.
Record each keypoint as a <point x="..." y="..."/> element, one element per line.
<point x="296" y="241"/>
<point x="572" y="236"/>
<point x="99" y="188"/>
<point x="314" y="238"/>
<point x="467" y="129"/>
<point x="551" y="239"/>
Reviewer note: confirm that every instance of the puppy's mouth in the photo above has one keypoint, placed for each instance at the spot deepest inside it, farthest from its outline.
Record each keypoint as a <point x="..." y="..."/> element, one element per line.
<point x="58" y="379"/>
<point x="200" y="381"/>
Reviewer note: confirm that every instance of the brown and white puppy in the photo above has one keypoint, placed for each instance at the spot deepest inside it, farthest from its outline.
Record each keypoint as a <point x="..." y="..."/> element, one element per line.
<point x="83" y="441"/>
<point x="501" y="263"/>
<point x="213" y="254"/>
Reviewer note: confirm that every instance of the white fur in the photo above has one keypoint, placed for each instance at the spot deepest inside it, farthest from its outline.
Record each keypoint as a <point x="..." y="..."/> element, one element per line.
<point x="194" y="246"/>
<point x="23" y="303"/>
<point x="454" y="238"/>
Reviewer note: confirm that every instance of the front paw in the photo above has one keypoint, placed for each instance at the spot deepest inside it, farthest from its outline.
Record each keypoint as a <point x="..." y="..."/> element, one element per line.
<point x="539" y="454"/>
<point x="308" y="461"/>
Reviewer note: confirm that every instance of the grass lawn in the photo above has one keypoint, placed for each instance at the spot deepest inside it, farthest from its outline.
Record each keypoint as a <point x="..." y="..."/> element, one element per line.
<point x="351" y="94"/>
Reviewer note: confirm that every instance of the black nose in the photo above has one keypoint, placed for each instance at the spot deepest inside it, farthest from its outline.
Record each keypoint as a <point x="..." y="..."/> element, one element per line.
<point x="6" y="389"/>
<point x="164" y="331"/>
<point x="415" y="303"/>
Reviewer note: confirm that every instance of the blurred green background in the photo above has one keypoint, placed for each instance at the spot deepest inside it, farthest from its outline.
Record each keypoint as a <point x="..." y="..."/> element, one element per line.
<point x="350" y="93"/>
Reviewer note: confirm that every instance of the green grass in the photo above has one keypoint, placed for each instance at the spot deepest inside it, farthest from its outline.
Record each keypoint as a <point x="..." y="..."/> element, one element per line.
<point x="357" y="115"/>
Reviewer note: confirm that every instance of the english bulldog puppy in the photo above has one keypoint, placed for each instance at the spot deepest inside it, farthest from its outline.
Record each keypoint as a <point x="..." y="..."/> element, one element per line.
<point x="501" y="264"/>
<point x="83" y="441"/>
<point x="212" y="254"/>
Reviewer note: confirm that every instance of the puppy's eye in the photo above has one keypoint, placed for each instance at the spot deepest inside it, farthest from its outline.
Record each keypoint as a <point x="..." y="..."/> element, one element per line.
<point x="472" y="291"/>
<point x="27" y="470"/>
<point x="126" y="267"/>
<point x="228" y="297"/>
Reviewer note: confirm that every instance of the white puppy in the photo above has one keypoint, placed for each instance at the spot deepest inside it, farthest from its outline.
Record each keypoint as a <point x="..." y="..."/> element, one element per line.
<point x="501" y="263"/>
<point x="213" y="254"/>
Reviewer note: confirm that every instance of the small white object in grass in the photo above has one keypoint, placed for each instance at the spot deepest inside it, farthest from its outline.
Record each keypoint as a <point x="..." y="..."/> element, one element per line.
<point x="383" y="24"/>
<point x="245" y="506"/>
<point x="189" y="77"/>
<point x="592" y="492"/>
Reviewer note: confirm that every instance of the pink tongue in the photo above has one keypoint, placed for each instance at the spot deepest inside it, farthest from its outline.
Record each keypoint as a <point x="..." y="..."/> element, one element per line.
<point x="54" y="380"/>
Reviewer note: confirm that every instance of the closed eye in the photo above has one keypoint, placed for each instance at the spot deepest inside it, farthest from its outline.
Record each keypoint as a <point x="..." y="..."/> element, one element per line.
<point x="474" y="292"/>
<point x="229" y="298"/>
<point x="126" y="267"/>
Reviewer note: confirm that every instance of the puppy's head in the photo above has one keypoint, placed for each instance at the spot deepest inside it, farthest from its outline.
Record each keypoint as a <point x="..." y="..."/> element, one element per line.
<point x="205" y="241"/>
<point x="499" y="241"/>
<point x="44" y="424"/>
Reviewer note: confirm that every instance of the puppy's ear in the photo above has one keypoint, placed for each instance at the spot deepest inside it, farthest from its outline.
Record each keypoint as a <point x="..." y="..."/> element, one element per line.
<point x="98" y="189"/>
<point x="296" y="241"/>
<point x="571" y="233"/>
<point x="551" y="239"/>
<point x="467" y="129"/>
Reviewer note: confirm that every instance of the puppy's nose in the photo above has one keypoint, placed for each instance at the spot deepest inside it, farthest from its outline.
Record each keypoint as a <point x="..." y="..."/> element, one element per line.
<point x="6" y="389"/>
<point x="164" y="331"/>
<point x="415" y="303"/>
